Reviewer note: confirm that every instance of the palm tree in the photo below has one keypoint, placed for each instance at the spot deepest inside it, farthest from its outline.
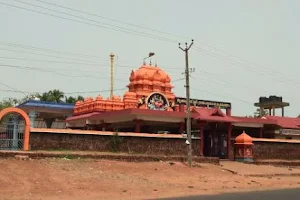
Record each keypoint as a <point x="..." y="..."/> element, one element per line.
<point x="52" y="96"/>
<point x="57" y="95"/>
<point x="73" y="100"/>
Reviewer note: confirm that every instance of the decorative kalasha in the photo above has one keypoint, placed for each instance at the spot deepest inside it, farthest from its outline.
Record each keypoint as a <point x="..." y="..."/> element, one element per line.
<point x="157" y="101"/>
<point x="243" y="148"/>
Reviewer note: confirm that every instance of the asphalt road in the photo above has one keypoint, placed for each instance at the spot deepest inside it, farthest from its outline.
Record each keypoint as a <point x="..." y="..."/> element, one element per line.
<point x="287" y="194"/>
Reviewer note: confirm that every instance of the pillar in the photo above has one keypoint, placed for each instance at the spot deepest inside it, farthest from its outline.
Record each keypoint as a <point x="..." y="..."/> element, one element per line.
<point x="229" y="149"/>
<point x="137" y="126"/>
<point x="273" y="111"/>
<point x="49" y="122"/>
<point x="270" y="111"/>
<point x="213" y="136"/>
<point x="181" y="127"/>
<point x="282" y="111"/>
<point x="228" y="111"/>
<point x="32" y="117"/>
<point x="261" y="132"/>
<point x="15" y="132"/>
<point x="201" y="129"/>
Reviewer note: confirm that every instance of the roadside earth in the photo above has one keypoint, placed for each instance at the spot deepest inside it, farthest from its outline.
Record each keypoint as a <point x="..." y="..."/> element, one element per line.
<point x="66" y="179"/>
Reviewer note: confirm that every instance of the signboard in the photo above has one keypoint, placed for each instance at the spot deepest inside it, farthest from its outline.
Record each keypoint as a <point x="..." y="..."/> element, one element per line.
<point x="203" y="103"/>
<point x="289" y="132"/>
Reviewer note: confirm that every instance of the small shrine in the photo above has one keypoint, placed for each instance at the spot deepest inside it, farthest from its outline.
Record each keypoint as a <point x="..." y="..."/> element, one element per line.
<point x="243" y="148"/>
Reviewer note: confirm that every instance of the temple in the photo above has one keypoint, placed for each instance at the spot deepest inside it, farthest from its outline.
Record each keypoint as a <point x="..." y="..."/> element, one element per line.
<point x="150" y="106"/>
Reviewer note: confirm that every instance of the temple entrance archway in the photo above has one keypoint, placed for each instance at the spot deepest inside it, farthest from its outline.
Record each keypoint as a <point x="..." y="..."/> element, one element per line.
<point x="14" y="129"/>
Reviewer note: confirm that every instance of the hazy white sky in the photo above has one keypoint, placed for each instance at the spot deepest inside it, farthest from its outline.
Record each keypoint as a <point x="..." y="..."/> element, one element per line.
<point x="243" y="49"/>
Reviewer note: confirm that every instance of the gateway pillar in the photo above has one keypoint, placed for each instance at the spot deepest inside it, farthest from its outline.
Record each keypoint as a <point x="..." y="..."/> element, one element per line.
<point x="229" y="149"/>
<point x="181" y="127"/>
<point x="201" y="130"/>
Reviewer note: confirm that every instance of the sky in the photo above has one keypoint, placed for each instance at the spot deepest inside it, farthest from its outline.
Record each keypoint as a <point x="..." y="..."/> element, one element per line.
<point x="242" y="49"/>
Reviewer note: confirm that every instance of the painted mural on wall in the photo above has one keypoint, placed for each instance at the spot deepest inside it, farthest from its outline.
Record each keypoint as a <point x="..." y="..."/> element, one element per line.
<point x="157" y="101"/>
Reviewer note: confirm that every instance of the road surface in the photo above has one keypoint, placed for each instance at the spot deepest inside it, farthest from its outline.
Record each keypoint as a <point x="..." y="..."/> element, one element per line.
<point x="288" y="194"/>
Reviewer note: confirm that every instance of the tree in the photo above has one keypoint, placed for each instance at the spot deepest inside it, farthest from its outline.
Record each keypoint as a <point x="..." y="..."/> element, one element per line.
<point x="11" y="102"/>
<point x="52" y="96"/>
<point x="299" y="116"/>
<point x="71" y="99"/>
<point x="57" y="95"/>
<point x="257" y="113"/>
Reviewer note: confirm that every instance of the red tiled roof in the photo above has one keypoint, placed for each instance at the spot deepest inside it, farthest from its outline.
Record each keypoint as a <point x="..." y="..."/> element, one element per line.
<point x="131" y="111"/>
<point x="285" y="122"/>
<point x="212" y="114"/>
<point x="83" y="116"/>
<point x="254" y="120"/>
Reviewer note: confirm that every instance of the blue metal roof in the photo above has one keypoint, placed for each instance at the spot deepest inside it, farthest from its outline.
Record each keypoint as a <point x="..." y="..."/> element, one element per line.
<point x="45" y="104"/>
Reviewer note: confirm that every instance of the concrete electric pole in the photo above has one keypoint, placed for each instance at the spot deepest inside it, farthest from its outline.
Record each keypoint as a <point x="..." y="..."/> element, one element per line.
<point x="188" y="111"/>
<point x="112" y="56"/>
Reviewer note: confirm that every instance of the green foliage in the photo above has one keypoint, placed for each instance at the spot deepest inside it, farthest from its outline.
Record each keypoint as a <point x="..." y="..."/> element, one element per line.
<point x="258" y="115"/>
<point x="50" y="96"/>
<point x="115" y="141"/>
<point x="11" y="102"/>
<point x="71" y="99"/>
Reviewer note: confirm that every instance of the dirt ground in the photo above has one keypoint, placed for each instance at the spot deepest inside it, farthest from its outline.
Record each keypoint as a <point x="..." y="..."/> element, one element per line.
<point x="74" y="179"/>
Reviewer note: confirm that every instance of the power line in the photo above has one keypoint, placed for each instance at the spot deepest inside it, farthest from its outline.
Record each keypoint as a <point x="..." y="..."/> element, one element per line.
<point x="47" y="50"/>
<point x="247" y="67"/>
<point x="11" y="88"/>
<point x="39" y="54"/>
<point x="19" y="91"/>
<point x="151" y="29"/>
<point x="95" y="20"/>
<point x="114" y="20"/>
<point x="118" y="29"/>
<point x="47" y="61"/>
<point x="223" y="95"/>
<point x="54" y="72"/>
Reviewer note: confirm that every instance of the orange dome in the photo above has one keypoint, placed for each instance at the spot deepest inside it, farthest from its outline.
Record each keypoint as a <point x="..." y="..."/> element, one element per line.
<point x="151" y="73"/>
<point x="243" y="139"/>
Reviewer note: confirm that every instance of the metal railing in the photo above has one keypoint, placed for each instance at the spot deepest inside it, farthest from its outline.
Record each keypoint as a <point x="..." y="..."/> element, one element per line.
<point x="11" y="135"/>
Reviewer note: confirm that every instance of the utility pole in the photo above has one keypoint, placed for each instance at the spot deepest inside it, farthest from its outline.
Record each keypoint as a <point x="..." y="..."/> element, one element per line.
<point x="112" y="56"/>
<point x="188" y="111"/>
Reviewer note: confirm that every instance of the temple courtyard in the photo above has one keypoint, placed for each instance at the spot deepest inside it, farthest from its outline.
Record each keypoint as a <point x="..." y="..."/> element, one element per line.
<point x="67" y="178"/>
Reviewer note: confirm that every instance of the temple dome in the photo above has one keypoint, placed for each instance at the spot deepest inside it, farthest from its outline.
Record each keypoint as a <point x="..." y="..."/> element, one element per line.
<point x="243" y="139"/>
<point x="150" y="73"/>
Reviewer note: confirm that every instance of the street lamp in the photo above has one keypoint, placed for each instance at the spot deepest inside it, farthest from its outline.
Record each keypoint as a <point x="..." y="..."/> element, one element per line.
<point x="150" y="55"/>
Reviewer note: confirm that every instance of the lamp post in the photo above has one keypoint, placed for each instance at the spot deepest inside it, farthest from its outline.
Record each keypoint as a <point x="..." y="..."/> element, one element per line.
<point x="150" y="55"/>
